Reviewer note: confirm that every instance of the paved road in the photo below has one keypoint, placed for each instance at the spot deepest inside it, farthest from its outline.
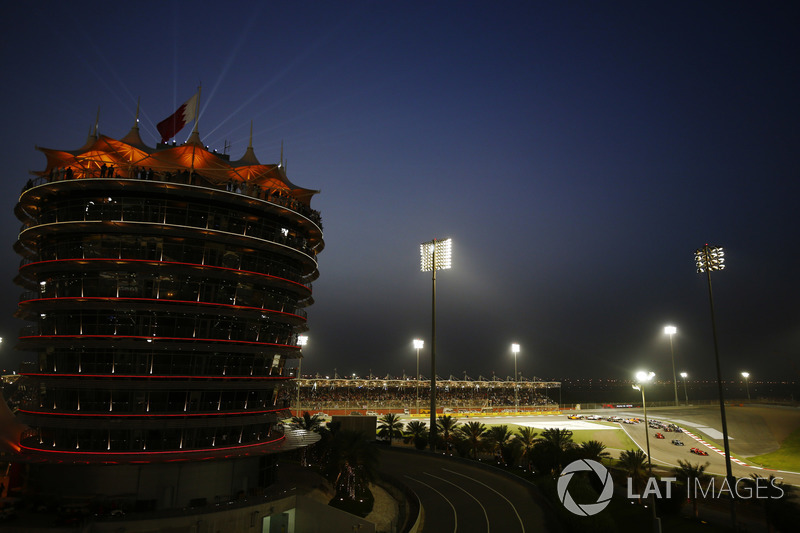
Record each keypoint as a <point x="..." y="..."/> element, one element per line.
<point x="459" y="497"/>
<point x="750" y="436"/>
<point x="667" y="454"/>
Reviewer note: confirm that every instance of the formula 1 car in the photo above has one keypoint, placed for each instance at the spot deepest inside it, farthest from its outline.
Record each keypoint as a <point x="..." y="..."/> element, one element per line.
<point x="677" y="442"/>
<point x="659" y="436"/>
<point x="698" y="451"/>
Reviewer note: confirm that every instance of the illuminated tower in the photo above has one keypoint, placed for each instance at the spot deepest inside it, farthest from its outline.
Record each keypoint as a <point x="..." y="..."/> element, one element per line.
<point x="165" y="289"/>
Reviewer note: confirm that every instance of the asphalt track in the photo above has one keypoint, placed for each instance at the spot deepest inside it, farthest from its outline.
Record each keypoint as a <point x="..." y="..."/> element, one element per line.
<point x="753" y="430"/>
<point x="749" y="435"/>
<point x="459" y="497"/>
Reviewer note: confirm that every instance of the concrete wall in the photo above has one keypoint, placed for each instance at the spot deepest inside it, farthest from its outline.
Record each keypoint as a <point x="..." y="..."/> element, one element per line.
<point x="300" y="514"/>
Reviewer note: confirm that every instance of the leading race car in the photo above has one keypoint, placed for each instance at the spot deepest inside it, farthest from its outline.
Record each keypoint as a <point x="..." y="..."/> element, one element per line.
<point x="659" y="436"/>
<point x="698" y="451"/>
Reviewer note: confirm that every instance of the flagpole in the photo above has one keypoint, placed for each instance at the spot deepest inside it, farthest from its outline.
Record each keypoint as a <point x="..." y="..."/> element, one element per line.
<point x="196" y="122"/>
<point x="197" y="109"/>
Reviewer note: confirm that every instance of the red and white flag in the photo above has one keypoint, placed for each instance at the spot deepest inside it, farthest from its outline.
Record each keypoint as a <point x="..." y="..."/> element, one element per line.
<point x="171" y="125"/>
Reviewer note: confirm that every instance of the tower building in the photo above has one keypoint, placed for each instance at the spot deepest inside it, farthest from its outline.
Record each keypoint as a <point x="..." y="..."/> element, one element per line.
<point x="165" y="290"/>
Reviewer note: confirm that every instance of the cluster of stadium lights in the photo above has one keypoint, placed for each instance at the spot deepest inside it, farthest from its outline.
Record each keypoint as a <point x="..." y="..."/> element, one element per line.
<point x="709" y="258"/>
<point x="435" y="255"/>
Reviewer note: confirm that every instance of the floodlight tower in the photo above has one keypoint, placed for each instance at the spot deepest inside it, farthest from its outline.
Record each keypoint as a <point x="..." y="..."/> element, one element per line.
<point x="684" y="375"/>
<point x="515" y="351"/>
<point x="434" y="255"/>
<point x="418" y="345"/>
<point x="302" y="340"/>
<point x="746" y="376"/>
<point x="642" y="378"/>
<point x="706" y="259"/>
<point x="671" y="330"/>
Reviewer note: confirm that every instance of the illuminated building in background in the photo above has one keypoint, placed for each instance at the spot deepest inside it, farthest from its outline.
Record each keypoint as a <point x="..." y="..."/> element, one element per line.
<point x="165" y="289"/>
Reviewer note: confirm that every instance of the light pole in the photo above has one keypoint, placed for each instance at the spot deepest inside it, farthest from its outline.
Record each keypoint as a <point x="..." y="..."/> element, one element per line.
<point x="434" y="255"/>
<point x="684" y="375"/>
<point x="671" y="330"/>
<point x="642" y="378"/>
<point x="706" y="259"/>
<point x="418" y="345"/>
<point x="746" y="376"/>
<point x="302" y="340"/>
<point x="515" y="351"/>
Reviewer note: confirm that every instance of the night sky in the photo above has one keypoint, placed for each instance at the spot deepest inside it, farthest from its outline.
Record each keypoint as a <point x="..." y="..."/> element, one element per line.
<point x="577" y="154"/>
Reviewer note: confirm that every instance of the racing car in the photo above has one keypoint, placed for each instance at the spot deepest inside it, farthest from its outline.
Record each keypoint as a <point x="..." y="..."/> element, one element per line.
<point x="677" y="442"/>
<point x="659" y="436"/>
<point x="698" y="451"/>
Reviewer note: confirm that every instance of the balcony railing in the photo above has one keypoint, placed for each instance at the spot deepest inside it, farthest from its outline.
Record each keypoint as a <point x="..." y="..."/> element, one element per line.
<point x="145" y="211"/>
<point x="266" y="194"/>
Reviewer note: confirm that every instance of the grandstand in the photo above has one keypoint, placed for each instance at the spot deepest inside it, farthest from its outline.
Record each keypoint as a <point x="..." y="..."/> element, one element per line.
<point x="406" y="394"/>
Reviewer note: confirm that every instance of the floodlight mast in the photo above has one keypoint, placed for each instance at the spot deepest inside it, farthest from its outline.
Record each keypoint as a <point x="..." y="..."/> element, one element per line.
<point x="302" y="340"/>
<point x="706" y="259"/>
<point x="418" y="345"/>
<point x="671" y="330"/>
<point x="434" y="255"/>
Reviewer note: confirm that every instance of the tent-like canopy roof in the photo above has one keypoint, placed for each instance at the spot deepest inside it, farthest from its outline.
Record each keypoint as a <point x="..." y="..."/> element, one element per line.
<point x="130" y="154"/>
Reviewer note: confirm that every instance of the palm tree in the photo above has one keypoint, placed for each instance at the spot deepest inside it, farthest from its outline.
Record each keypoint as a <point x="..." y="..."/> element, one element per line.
<point x="634" y="463"/>
<point x="768" y="490"/>
<point x="473" y="431"/>
<point x="557" y="441"/>
<point x="525" y="442"/>
<point x="500" y="436"/>
<point x="446" y="424"/>
<point x="416" y="432"/>
<point x="390" y="426"/>
<point x="594" y="450"/>
<point x="356" y="461"/>
<point x="309" y="422"/>
<point x="689" y="474"/>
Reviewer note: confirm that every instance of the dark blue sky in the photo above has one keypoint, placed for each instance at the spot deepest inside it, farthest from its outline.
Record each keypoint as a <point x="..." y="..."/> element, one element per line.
<point x="576" y="153"/>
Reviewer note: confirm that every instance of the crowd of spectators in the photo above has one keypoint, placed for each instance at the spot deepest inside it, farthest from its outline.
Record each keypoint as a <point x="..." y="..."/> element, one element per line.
<point x="329" y="394"/>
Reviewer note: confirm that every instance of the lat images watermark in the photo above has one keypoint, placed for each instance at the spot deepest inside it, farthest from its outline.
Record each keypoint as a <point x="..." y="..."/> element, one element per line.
<point x="586" y="509"/>
<point x="743" y="488"/>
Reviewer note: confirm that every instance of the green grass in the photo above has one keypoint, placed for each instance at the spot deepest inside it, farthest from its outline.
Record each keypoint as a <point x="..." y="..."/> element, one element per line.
<point x="787" y="457"/>
<point x="616" y="439"/>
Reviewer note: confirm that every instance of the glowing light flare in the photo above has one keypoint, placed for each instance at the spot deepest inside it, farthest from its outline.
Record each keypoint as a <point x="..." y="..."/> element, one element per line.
<point x="670" y="330"/>
<point x="644" y="377"/>
<point x="436" y="255"/>
<point x="419" y="344"/>
<point x="745" y="375"/>
<point x="709" y="258"/>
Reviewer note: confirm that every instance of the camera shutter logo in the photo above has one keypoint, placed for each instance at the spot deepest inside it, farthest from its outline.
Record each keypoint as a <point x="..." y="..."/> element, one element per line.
<point x="585" y="509"/>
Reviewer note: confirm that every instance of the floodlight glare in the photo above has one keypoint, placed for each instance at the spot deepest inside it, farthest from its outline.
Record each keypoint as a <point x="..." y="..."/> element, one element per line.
<point x="684" y="375"/>
<point x="745" y="374"/>
<point x="515" y="348"/>
<point x="419" y="344"/>
<point x="642" y="376"/>
<point x="435" y="255"/>
<point x="709" y="258"/>
<point x="302" y="340"/>
<point x="670" y="330"/>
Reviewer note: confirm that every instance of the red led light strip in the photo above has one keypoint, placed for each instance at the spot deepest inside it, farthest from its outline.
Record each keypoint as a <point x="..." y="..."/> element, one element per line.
<point x="150" y="415"/>
<point x="147" y="376"/>
<point x="155" y="338"/>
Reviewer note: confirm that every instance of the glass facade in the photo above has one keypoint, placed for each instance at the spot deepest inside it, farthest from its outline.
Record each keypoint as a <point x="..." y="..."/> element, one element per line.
<point x="163" y="305"/>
